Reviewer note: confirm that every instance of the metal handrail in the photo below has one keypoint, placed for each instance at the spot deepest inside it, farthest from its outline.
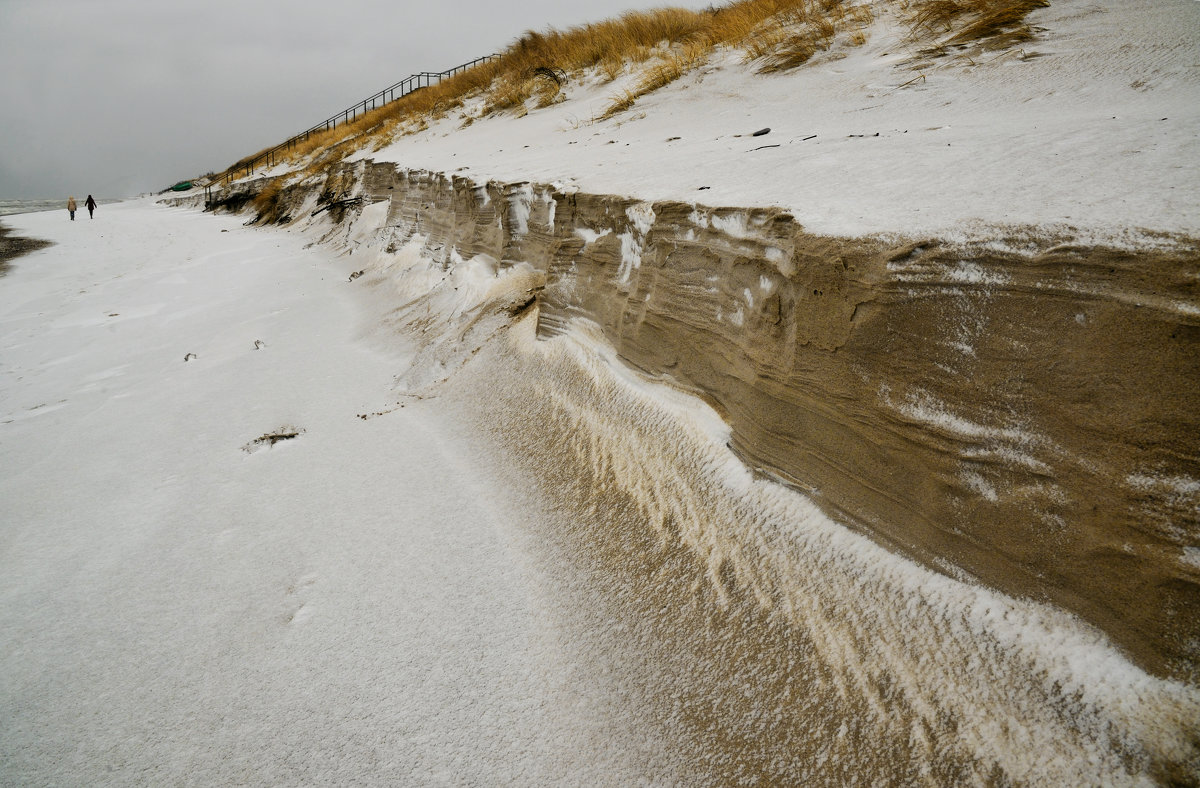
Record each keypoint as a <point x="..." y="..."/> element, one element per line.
<point x="409" y="84"/>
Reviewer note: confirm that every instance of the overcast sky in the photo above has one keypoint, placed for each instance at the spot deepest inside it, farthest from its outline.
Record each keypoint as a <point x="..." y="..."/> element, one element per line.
<point x="118" y="97"/>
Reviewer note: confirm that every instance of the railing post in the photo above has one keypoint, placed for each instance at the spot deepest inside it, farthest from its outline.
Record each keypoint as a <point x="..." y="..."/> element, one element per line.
<point x="406" y="86"/>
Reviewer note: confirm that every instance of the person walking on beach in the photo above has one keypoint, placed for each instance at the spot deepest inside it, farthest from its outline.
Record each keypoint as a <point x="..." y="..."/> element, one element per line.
<point x="91" y="206"/>
<point x="71" y="207"/>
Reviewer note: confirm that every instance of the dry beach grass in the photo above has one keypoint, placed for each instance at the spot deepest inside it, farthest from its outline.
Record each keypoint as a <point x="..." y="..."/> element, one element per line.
<point x="659" y="47"/>
<point x="963" y="22"/>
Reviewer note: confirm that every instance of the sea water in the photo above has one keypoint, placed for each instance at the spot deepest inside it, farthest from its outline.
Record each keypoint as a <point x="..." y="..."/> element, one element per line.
<point x="10" y="207"/>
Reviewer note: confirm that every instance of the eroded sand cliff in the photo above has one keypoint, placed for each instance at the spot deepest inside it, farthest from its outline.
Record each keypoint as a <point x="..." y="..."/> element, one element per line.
<point x="1018" y="411"/>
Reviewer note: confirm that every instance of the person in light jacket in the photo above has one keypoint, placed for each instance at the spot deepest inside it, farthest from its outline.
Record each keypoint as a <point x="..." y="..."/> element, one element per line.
<point x="71" y="207"/>
<point x="91" y="206"/>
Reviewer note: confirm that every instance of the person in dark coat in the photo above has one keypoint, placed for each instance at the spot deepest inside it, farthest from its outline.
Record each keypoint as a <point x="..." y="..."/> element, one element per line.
<point x="91" y="206"/>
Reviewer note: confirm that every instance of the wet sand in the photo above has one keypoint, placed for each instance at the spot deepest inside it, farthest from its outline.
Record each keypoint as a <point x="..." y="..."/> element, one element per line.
<point x="13" y="246"/>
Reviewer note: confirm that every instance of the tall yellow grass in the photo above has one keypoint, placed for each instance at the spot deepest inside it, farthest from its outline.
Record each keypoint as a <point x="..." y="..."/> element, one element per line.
<point x="952" y="22"/>
<point x="658" y="47"/>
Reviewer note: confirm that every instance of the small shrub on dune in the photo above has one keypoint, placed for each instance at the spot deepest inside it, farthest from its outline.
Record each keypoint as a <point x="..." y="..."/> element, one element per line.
<point x="660" y="74"/>
<point x="548" y="85"/>
<point x="935" y="14"/>
<point x="264" y="201"/>
<point x="965" y="21"/>
<point x="620" y="102"/>
<point x="994" y="19"/>
<point x="508" y="93"/>
<point x="791" y="38"/>
<point x="611" y="68"/>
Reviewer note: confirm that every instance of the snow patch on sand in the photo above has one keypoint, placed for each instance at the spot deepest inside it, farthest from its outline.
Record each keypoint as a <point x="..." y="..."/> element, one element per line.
<point x="641" y="219"/>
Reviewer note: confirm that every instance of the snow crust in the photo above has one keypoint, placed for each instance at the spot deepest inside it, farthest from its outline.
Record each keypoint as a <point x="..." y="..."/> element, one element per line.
<point x="1089" y="129"/>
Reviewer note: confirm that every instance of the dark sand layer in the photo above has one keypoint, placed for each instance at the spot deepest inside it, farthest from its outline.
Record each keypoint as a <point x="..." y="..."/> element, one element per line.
<point x="13" y="246"/>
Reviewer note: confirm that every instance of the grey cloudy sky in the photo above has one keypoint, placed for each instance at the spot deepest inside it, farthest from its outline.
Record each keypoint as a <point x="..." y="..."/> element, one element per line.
<point x="118" y="97"/>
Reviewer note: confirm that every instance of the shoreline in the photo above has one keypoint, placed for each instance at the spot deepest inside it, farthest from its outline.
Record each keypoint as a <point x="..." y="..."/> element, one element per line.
<point x="14" y="246"/>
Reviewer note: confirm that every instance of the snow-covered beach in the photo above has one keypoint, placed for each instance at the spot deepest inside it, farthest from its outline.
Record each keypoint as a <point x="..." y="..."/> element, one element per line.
<point x="180" y="605"/>
<point x="537" y="447"/>
<point x="252" y="536"/>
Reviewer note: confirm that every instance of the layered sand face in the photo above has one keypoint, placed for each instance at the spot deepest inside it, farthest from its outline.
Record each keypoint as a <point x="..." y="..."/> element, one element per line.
<point x="908" y="509"/>
<point x="1018" y="411"/>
